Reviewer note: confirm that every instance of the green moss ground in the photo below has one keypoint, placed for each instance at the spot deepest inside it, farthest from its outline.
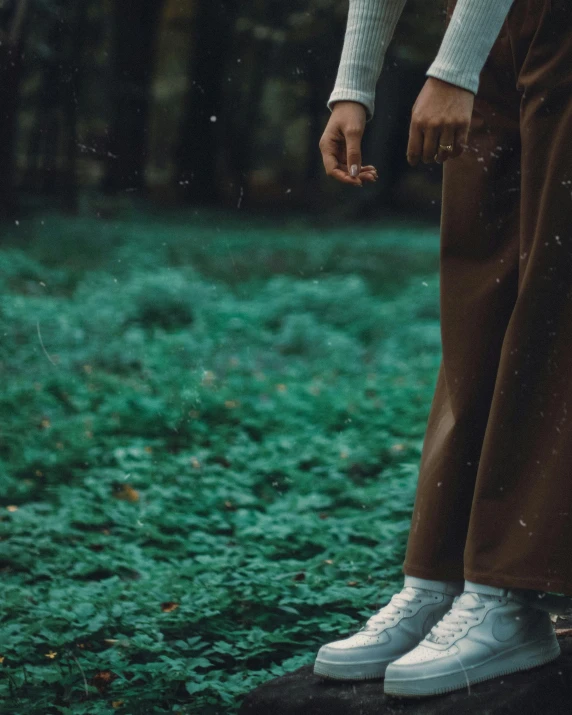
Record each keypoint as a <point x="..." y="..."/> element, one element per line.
<point x="210" y="432"/>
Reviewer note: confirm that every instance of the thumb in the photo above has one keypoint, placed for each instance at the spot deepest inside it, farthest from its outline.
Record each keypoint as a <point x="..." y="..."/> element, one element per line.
<point x="353" y="146"/>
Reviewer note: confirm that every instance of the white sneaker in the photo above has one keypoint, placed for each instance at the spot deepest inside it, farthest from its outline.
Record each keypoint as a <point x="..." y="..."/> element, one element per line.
<point x="390" y="632"/>
<point x="489" y="631"/>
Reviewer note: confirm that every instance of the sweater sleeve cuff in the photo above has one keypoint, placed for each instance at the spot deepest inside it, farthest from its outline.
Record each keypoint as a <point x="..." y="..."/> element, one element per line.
<point x="469" y="37"/>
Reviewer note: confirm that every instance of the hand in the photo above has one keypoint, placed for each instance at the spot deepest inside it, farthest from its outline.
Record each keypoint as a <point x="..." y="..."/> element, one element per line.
<point x="341" y="145"/>
<point x="441" y="115"/>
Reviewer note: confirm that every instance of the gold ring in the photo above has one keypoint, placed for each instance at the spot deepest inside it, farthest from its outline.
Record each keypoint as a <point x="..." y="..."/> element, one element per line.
<point x="446" y="147"/>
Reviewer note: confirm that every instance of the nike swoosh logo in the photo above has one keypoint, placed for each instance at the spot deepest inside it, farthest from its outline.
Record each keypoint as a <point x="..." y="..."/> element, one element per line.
<point x="505" y="627"/>
<point x="430" y="621"/>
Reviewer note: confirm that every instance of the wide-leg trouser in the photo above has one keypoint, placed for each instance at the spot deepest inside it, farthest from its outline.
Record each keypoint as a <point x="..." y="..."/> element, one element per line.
<point x="494" y="497"/>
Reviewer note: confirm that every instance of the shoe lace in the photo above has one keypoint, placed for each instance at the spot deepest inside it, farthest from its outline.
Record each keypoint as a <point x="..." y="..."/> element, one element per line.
<point x="389" y="613"/>
<point x="460" y="613"/>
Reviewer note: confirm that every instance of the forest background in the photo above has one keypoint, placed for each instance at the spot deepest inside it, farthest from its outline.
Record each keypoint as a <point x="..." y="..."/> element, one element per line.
<point x="197" y="102"/>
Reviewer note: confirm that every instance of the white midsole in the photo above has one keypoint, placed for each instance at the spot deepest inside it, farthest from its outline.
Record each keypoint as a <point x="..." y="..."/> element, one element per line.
<point x="530" y="654"/>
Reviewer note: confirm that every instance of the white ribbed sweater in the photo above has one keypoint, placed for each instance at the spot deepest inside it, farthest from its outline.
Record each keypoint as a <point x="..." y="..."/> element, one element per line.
<point x="474" y="26"/>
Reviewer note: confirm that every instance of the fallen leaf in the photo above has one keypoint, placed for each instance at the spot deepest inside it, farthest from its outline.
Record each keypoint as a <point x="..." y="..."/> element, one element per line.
<point x="169" y="606"/>
<point x="126" y="493"/>
<point x="102" y="680"/>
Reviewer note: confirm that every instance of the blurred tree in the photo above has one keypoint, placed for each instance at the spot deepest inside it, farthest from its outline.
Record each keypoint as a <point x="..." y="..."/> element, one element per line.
<point x="214" y="24"/>
<point x="169" y="89"/>
<point x="257" y="36"/>
<point x="135" y="24"/>
<point x="52" y="149"/>
<point x="13" y="25"/>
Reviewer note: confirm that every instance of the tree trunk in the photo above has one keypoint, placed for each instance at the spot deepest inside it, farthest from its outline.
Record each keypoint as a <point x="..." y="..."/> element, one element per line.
<point x="199" y="136"/>
<point x="134" y="44"/>
<point x="70" y="104"/>
<point x="11" y="36"/>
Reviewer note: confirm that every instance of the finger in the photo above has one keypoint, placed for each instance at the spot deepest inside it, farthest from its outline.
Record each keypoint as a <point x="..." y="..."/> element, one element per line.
<point x="345" y="178"/>
<point x="366" y="174"/>
<point x="447" y="138"/>
<point x="367" y="168"/>
<point x="353" y="149"/>
<point x="332" y="165"/>
<point x="430" y="144"/>
<point x="330" y="148"/>
<point x="415" y="144"/>
<point x="461" y="140"/>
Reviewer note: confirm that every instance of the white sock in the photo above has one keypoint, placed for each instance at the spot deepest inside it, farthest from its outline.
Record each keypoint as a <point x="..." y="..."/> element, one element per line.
<point x="449" y="587"/>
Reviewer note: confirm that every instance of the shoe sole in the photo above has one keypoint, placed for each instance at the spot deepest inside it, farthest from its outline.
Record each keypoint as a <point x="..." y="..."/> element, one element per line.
<point x="522" y="658"/>
<point x="351" y="671"/>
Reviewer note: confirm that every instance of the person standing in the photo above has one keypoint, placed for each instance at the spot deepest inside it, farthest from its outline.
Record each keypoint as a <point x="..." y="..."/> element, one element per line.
<point x="487" y="557"/>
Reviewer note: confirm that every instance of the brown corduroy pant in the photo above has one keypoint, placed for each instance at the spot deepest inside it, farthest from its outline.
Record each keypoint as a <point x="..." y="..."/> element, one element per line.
<point x="494" y="496"/>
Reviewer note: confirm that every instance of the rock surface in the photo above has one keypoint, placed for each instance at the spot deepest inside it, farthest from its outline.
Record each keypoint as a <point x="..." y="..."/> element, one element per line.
<point x="545" y="690"/>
